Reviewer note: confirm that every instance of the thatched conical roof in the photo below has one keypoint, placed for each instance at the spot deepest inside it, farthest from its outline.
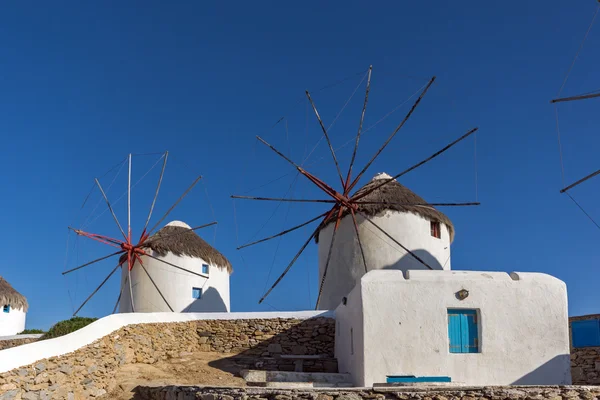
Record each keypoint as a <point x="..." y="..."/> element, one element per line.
<point x="394" y="192"/>
<point x="176" y="238"/>
<point x="9" y="296"/>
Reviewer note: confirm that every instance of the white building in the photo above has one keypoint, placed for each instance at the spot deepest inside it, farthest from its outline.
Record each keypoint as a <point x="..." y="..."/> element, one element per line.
<point x="509" y="329"/>
<point x="423" y="230"/>
<point x="403" y="318"/>
<point x="13" y="309"/>
<point x="204" y="290"/>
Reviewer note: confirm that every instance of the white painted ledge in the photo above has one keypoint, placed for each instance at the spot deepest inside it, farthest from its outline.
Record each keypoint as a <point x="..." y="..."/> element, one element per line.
<point x="28" y="336"/>
<point x="19" y="356"/>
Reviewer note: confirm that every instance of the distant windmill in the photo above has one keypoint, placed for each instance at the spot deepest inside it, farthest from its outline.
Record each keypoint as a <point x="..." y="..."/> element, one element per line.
<point x="584" y="96"/>
<point x="132" y="252"/>
<point x="347" y="201"/>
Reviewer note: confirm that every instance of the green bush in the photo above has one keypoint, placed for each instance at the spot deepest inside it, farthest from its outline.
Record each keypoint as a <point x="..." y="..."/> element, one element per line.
<point x="31" y="331"/>
<point x="65" y="327"/>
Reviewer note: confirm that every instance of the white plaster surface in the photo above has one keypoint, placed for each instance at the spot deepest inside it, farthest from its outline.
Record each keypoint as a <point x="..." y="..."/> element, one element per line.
<point x="27" y="336"/>
<point x="522" y="318"/>
<point x="346" y="266"/>
<point x="12" y="322"/>
<point x="176" y="285"/>
<point x="26" y="354"/>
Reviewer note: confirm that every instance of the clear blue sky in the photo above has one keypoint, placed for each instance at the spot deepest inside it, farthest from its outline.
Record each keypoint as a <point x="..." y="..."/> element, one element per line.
<point x="82" y="85"/>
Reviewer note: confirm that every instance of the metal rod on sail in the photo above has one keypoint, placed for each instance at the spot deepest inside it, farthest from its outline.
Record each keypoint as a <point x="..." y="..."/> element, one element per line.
<point x="98" y="288"/>
<point x="110" y="208"/>
<point x="162" y="172"/>
<point x="360" y="125"/>
<point x="177" y="202"/>
<point x="360" y="174"/>
<point x="284" y="232"/>
<point x="129" y="202"/>
<point x="93" y="262"/>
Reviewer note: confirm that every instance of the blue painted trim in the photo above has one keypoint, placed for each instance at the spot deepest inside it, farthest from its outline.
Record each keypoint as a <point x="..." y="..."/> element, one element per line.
<point x="417" y="379"/>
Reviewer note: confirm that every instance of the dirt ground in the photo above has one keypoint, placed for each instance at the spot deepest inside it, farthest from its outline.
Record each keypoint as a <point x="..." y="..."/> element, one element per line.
<point x="192" y="369"/>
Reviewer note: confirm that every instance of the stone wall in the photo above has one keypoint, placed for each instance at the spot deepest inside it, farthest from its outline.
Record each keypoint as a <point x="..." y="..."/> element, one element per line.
<point x="89" y="371"/>
<point x="406" y="393"/>
<point x="7" y="344"/>
<point x="585" y="361"/>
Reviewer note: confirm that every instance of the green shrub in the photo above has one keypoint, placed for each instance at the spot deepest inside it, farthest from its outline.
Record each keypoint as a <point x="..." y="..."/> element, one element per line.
<point x="31" y="331"/>
<point x="65" y="327"/>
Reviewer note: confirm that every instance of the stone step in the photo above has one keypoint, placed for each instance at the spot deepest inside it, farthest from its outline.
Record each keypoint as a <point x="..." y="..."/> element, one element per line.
<point x="256" y="376"/>
<point x="300" y="385"/>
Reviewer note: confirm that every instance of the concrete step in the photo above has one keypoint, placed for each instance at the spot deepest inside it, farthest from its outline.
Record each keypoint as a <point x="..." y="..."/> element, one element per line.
<point x="321" y="379"/>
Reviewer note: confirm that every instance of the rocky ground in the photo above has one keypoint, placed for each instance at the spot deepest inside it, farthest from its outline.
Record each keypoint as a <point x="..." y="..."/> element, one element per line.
<point x="188" y="369"/>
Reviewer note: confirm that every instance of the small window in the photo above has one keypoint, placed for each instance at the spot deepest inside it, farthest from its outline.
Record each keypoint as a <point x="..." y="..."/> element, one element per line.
<point x="585" y="333"/>
<point x="435" y="229"/>
<point x="463" y="331"/>
<point x="196" y="293"/>
<point x="351" y="341"/>
<point x="6" y="308"/>
<point x="205" y="269"/>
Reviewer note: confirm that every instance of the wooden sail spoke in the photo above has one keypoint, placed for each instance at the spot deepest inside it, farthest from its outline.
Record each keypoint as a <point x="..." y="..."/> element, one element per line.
<point x="120" y="294"/>
<point x="284" y="232"/>
<point x="175" y="266"/>
<point x="153" y="283"/>
<point x="175" y="205"/>
<point x="574" y="98"/>
<point x="389" y="139"/>
<point x="322" y="283"/>
<point x="416" y="257"/>
<point x="337" y="165"/>
<point x="417" y="165"/>
<point x="362" y="251"/>
<point x="186" y="230"/>
<point x="420" y="204"/>
<point x="283" y="199"/>
<point x="571" y="186"/>
<point x="93" y="262"/>
<point x="162" y="172"/>
<point x="98" y="288"/>
<point x="287" y="269"/>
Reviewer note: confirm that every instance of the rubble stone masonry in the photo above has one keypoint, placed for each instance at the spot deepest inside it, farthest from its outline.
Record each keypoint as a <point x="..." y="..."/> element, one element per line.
<point x="89" y="371"/>
<point x="585" y="361"/>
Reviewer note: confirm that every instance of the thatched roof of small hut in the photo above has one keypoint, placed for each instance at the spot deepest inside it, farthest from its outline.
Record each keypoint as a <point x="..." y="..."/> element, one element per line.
<point x="394" y="192"/>
<point x="9" y="296"/>
<point x="176" y="238"/>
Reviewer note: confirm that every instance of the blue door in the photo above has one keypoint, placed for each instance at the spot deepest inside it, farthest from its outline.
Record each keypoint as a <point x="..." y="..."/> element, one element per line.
<point x="463" y="331"/>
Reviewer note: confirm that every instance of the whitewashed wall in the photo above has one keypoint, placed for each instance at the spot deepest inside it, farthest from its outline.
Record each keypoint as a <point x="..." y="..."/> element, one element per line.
<point x="346" y="265"/>
<point x="523" y="327"/>
<point x="19" y="356"/>
<point x="13" y="322"/>
<point x="176" y="285"/>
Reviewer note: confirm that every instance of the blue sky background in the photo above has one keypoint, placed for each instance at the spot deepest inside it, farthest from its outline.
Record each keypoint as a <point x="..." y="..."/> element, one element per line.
<point x="83" y="85"/>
